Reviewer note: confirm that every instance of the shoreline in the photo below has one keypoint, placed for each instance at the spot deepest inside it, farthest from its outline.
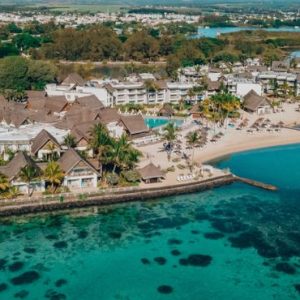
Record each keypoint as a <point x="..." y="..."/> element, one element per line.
<point x="145" y="194"/>
<point x="255" y="142"/>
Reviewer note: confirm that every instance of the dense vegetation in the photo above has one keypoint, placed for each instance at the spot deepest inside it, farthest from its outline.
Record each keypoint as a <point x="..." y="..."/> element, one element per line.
<point x="133" y="42"/>
<point x="21" y="74"/>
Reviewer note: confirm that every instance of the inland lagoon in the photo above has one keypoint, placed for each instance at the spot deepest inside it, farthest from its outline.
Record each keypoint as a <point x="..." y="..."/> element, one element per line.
<point x="213" y="32"/>
<point x="234" y="242"/>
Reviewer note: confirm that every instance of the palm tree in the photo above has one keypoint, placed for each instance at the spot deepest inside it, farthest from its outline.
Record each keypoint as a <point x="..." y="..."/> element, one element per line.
<point x="54" y="175"/>
<point x="285" y="89"/>
<point x="4" y="183"/>
<point x="181" y="104"/>
<point x="70" y="141"/>
<point x="192" y="139"/>
<point x="51" y="147"/>
<point x="28" y="174"/>
<point x="225" y="104"/>
<point x="131" y="158"/>
<point x="121" y="154"/>
<point x="13" y="192"/>
<point x="100" y="141"/>
<point x="191" y="94"/>
<point x="169" y="135"/>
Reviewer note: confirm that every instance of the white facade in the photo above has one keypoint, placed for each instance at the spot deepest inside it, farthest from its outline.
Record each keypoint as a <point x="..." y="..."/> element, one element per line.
<point x="128" y="92"/>
<point x="19" y="139"/>
<point x="35" y="186"/>
<point x="243" y="89"/>
<point x="214" y="76"/>
<point x="242" y="86"/>
<point x="177" y="91"/>
<point x="269" y="78"/>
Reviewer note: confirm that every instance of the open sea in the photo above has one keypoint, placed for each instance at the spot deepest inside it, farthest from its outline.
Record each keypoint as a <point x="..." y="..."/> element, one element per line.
<point x="235" y="242"/>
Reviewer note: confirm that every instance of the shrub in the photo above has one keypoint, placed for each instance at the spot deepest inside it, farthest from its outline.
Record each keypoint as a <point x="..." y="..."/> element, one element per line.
<point x="112" y="179"/>
<point x="131" y="176"/>
<point x="180" y="166"/>
<point x="171" y="169"/>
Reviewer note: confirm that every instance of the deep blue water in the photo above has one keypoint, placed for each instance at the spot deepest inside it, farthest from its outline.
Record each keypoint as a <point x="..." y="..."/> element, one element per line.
<point x="214" y="31"/>
<point x="234" y="242"/>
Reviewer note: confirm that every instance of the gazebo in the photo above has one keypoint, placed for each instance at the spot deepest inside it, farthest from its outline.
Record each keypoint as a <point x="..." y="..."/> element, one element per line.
<point x="151" y="173"/>
<point x="166" y="110"/>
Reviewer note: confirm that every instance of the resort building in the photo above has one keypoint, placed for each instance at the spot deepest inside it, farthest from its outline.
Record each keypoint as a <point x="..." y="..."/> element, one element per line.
<point x="177" y="91"/>
<point x="13" y="172"/>
<point x="45" y="146"/>
<point x="138" y="89"/>
<point x="78" y="172"/>
<point x="274" y="81"/>
<point x="240" y="86"/>
<point x="192" y="74"/>
<point x="135" y="127"/>
<point x="254" y="103"/>
<point x="151" y="173"/>
<point x="23" y="138"/>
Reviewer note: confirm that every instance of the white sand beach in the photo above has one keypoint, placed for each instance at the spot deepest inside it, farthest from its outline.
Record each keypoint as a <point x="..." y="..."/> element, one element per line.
<point x="233" y="141"/>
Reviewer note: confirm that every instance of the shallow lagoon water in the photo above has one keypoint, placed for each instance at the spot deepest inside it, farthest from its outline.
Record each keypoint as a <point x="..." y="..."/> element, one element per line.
<point x="213" y="32"/>
<point x="235" y="242"/>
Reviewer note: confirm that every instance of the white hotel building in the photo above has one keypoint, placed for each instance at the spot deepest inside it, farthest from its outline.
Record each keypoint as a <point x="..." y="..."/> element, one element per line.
<point x="114" y="92"/>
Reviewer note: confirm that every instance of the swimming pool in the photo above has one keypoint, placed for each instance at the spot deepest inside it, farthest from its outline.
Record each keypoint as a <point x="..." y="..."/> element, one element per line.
<point x="157" y="122"/>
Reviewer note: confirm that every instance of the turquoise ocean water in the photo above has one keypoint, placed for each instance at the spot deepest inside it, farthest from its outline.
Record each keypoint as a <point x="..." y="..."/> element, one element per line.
<point x="234" y="242"/>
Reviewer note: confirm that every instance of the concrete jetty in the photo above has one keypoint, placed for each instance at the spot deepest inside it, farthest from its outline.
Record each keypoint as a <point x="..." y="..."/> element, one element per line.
<point x="258" y="184"/>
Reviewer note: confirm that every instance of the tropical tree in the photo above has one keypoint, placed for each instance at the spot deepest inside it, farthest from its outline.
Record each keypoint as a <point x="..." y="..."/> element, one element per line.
<point x="18" y="96"/>
<point x="70" y="141"/>
<point x="193" y="138"/>
<point x="225" y="104"/>
<point x="13" y="192"/>
<point x="4" y="183"/>
<point x="286" y="90"/>
<point x="54" y="175"/>
<point x="100" y="142"/>
<point x="169" y="135"/>
<point x="121" y="153"/>
<point x="191" y="94"/>
<point x="28" y="174"/>
<point x="131" y="158"/>
<point x="51" y="147"/>
<point x="150" y="86"/>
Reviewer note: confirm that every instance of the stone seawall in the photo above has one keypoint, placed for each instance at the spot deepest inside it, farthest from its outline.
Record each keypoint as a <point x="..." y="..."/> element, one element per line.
<point x="137" y="195"/>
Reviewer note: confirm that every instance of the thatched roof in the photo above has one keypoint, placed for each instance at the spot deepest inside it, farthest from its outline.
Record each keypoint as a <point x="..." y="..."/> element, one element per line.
<point x="13" y="168"/>
<point x="70" y="159"/>
<point x="150" y="171"/>
<point x="213" y="85"/>
<point x="280" y="65"/>
<point x="109" y="115"/>
<point x="42" y="139"/>
<point x="73" y="79"/>
<point x="134" y="124"/>
<point x="91" y="102"/>
<point x="166" y="110"/>
<point x="195" y="109"/>
<point x="252" y="101"/>
<point x="56" y="103"/>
